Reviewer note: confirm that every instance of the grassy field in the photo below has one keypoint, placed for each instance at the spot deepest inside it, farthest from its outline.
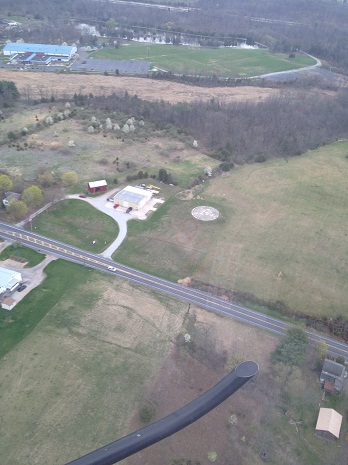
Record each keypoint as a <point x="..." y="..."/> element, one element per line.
<point x="225" y="62"/>
<point x="77" y="223"/>
<point x="281" y="233"/>
<point x="93" y="156"/>
<point x="14" y="251"/>
<point x="79" y="354"/>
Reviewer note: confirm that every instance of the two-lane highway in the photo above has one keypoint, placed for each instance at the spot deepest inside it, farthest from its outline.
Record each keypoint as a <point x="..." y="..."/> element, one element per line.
<point x="199" y="298"/>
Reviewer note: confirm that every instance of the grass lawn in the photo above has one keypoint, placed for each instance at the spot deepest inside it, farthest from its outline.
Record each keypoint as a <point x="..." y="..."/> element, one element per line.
<point x="281" y="234"/>
<point x="80" y="352"/>
<point x="223" y="62"/>
<point x="15" y="326"/>
<point x="23" y="253"/>
<point x="77" y="223"/>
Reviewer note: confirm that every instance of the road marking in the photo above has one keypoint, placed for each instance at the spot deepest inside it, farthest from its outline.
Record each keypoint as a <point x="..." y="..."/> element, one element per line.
<point x="205" y="300"/>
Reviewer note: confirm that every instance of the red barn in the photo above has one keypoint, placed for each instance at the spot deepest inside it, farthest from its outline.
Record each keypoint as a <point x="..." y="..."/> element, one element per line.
<point x="97" y="186"/>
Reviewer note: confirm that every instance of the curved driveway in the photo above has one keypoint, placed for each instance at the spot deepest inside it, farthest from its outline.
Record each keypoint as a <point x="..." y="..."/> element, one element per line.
<point x="101" y="203"/>
<point x="199" y="298"/>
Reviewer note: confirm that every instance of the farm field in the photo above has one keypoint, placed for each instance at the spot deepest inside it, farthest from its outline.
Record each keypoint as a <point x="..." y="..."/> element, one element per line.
<point x="281" y="233"/>
<point x="93" y="357"/>
<point x="77" y="377"/>
<point x="37" y="85"/>
<point x="226" y="62"/>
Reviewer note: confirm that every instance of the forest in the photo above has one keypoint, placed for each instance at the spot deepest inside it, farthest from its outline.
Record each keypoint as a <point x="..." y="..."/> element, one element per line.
<point x="282" y="126"/>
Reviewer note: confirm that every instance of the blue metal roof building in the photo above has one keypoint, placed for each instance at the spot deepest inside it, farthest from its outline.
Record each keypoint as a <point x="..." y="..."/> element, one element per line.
<point x="65" y="52"/>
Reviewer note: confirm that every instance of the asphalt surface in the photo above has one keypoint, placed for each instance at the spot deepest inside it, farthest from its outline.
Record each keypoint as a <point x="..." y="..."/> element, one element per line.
<point x="199" y="298"/>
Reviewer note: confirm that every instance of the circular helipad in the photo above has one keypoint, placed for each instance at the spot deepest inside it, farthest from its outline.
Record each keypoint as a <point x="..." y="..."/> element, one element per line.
<point x="204" y="213"/>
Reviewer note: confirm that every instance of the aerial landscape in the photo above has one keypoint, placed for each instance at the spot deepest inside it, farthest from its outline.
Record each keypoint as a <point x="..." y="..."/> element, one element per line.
<point x="173" y="188"/>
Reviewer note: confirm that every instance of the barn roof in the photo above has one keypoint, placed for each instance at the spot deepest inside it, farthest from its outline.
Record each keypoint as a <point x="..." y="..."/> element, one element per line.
<point x="132" y="194"/>
<point x="329" y="420"/>
<point x="100" y="183"/>
<point x="39" y="48"/>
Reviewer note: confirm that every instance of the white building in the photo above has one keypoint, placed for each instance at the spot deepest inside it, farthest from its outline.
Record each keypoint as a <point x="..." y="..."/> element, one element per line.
<point x="9" y="280"/>
<point x="132" y="197"/>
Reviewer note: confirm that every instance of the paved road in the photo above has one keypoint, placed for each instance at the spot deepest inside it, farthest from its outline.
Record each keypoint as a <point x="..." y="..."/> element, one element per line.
<point x="199" y="298"/>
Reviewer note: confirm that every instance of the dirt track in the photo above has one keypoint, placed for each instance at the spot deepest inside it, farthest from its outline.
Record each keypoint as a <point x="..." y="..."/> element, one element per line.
<point x="36" y="85"/>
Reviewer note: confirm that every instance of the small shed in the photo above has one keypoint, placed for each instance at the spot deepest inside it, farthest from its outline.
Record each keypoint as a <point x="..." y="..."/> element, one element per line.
<point x="134" y="197"/>
<point x="97" y="186"/>
<point x="8" y="303"/>
<point x="328" y="424"/>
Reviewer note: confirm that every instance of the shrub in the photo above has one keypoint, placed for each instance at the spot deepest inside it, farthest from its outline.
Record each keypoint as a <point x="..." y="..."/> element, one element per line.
<point x="147" y="413"/>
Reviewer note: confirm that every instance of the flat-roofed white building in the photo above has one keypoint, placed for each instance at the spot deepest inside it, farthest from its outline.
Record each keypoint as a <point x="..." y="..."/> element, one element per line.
<point x="58" y="52"/>
<point x="132" y="197"/>
<point x="9" y="280"/>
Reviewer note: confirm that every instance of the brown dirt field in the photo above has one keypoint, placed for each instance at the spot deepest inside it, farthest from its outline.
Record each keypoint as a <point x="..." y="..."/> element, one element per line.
<point x="183" y="378"/>
<point x="38" y="85"/>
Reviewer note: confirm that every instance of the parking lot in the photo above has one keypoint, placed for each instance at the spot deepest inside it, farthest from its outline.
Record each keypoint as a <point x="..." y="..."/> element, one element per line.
<point x="31" y="277"/>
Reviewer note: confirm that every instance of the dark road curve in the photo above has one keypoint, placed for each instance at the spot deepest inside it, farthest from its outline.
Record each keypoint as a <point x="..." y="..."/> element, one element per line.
<point x="194" y="296"/>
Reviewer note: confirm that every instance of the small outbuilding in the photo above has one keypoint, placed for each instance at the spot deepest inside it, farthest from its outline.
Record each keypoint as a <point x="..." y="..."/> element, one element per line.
<point x="328" y="424"/>
<point x="9" y="280"/>
<point x="8" y="197"/>
<point x="8" y="303"/>
<point x="97" y="186"/>
<point x="132" y="197"/>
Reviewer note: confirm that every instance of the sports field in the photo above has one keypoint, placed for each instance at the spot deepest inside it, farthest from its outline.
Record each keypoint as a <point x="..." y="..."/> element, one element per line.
<point x="226" y="62"/>
<point x="281" y="234"/>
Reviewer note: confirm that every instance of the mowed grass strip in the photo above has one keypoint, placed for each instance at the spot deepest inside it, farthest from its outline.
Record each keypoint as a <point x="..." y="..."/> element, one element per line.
<point x="18" y="251"/>
<point x="77" y="223"/>
<point x="281" y="234"/>
<point x="227" y="62"/>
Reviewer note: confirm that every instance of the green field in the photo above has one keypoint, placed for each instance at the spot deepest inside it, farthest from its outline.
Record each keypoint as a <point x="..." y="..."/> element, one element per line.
<point x="77" y="223"/>
<point x="226" y="62"/>
<point x="18" y="251"/>
<point x="281" y="234"/>
<point x="79" y="355"/>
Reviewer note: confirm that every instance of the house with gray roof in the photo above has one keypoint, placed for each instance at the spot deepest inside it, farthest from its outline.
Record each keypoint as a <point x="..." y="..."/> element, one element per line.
<point x="332" y="376"/>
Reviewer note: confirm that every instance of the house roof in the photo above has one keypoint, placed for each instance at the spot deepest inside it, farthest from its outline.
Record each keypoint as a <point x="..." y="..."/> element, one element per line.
<point x="329" y="420"/>
<point x="98" y="183"/>
<point x="39" y="48"/>
<point x="9" y="301"/>
<point x="8" y="278"/>
<point x="333" y="368"/>
<point x="132" y="194"/>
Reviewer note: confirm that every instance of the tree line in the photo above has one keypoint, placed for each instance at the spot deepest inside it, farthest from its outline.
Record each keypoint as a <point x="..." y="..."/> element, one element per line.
<point x="285" y="125"/>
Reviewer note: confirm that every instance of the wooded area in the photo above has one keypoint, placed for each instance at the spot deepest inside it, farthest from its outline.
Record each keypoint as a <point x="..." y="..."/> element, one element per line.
<point x="282" y="126"/>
